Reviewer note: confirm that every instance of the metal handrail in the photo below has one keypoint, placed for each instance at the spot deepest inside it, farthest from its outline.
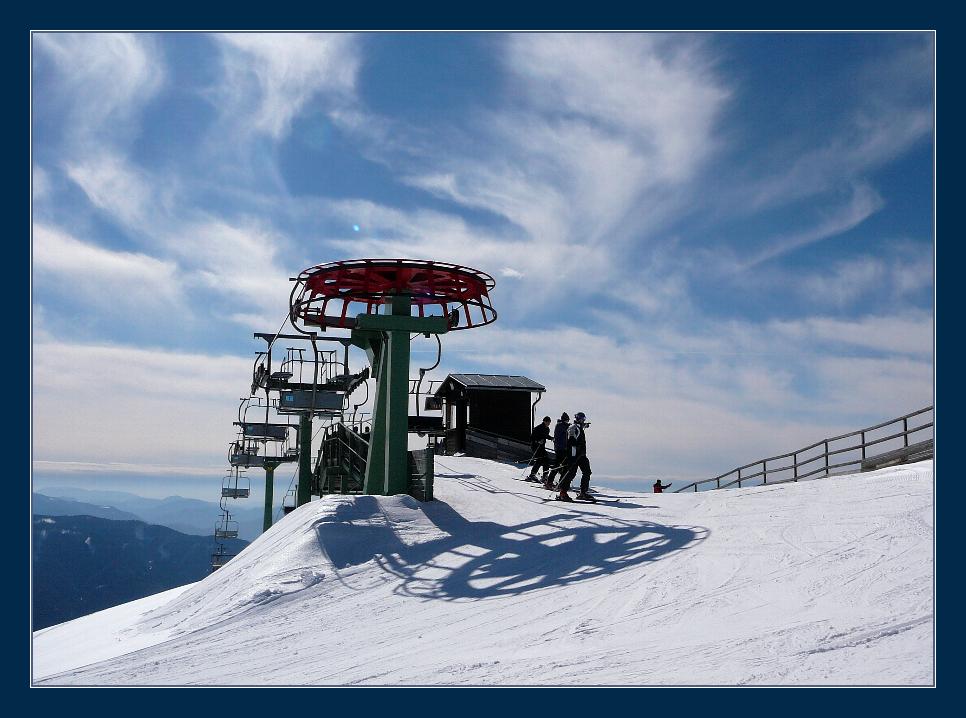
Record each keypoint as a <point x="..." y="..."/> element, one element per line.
<point x="827" y="467"/>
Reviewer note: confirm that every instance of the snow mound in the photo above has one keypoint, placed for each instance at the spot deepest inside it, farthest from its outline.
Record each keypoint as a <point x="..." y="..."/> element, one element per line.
<point x="825" y="582"/>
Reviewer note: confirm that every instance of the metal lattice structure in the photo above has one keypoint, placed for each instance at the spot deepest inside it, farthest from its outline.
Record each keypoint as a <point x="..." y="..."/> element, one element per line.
<point x="333" y="294"/>
<point x="376" y="299"/>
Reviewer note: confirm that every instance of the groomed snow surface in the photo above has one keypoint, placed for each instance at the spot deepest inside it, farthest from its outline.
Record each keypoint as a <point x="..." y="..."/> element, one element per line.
<point x="828" y="582"/>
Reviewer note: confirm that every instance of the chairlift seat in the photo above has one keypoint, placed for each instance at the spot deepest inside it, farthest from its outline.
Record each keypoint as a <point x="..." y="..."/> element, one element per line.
<point x="220" y="559"/>
<point x="426" y="424"/>
<point x="282" y="375"/>
<point x="229" y="492"/>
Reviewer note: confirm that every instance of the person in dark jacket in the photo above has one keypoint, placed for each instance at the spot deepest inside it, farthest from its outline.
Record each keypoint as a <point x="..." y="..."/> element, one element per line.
<point x="539" y="458"/>
<point x="559" y="449"/>
<point x="577" y="459"/>
<point x="658" y="488"/>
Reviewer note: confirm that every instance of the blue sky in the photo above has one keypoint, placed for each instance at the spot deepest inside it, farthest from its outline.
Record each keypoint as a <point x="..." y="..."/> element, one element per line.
<point x="719" y="246"/>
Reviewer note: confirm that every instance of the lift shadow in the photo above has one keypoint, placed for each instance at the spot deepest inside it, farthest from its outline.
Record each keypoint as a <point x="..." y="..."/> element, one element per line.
<point x="483" y="559"/>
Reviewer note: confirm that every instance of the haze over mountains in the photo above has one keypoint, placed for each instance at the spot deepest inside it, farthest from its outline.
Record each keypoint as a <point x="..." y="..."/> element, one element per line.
<point x="189" y="516"/>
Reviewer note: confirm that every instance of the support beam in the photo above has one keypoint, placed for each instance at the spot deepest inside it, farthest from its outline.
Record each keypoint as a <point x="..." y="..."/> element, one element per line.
<point x="304" y="492"/>
<point x="269" y="491"/>
<point x="397" y="409"/>
<point x="375" y="482"/>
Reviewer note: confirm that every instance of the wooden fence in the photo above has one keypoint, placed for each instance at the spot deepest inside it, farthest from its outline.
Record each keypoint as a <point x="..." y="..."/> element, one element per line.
<point x="889" y="445"/>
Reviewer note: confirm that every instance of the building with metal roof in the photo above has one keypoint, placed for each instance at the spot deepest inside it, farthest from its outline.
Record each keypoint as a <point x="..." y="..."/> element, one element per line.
<point x="498" y="405"/>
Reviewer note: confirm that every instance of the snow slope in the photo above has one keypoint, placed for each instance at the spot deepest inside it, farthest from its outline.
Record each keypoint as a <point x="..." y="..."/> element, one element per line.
<point x="824" y="582"/>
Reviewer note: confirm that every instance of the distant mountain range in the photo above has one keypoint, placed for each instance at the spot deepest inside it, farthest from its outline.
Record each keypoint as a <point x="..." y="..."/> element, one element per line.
<point x="189" y="516"/>
<point x="84" y="563"/>
<point x="51" y="506"/>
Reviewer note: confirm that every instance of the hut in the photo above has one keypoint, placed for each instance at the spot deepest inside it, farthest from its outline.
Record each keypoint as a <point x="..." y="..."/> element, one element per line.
<point x="489" y="415"/>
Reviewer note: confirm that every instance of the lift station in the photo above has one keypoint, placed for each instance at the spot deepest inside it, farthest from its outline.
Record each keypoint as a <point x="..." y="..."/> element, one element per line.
<point x="382" y="305"/>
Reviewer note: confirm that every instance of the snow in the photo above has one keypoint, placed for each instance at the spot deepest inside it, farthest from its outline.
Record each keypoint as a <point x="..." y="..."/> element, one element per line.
<point x="827" y="582"/>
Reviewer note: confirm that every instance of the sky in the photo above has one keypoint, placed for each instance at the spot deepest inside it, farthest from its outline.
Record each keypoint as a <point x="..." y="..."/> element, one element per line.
<point x="718" y="246"/>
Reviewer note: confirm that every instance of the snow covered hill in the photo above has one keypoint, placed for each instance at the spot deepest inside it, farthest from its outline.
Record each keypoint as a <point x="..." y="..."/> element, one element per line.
<point x="824" y="582"/>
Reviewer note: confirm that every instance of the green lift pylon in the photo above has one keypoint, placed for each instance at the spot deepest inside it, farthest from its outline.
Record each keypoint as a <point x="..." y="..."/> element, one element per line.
<point x="269" y="467"/>
<point x="397" y="286"/>
<point x="385" y="339"/>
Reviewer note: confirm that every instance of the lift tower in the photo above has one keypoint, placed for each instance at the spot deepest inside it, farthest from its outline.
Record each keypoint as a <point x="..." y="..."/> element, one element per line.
<point x="375" y="299"/>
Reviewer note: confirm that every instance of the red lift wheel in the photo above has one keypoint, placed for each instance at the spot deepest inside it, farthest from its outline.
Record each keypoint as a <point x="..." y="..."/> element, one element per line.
<point x="369" y="283"/>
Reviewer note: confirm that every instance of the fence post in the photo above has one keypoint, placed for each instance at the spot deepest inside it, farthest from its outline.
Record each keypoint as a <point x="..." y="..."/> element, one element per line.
<point x="764" y="471"/>
<point x="905" y="431"/>
<point x="739" y="478"/>
<point x="826" y="458"/>
<point x="795" y="466"/>
<point x="863" y="446"/>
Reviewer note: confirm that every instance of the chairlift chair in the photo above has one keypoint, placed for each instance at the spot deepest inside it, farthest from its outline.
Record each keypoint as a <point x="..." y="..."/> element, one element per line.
<point x="288" y="502"/>
<point x="220" y="557"/>
<point x="226" y="528"/>
<point x="235" y="485"/>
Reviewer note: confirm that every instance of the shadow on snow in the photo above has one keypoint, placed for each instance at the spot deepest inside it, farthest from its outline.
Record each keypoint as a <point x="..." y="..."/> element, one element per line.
<point x="482" y="559"/>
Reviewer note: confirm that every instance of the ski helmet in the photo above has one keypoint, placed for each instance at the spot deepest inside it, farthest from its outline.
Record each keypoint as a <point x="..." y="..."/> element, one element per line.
<point x="580" y="417"/>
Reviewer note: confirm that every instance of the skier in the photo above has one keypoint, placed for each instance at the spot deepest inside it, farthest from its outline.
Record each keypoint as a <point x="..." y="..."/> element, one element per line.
<point x="539" y="458"/>
<point x="658" y="488"/>
<point x="559" y="449"/>
<point x="577" y="459"/>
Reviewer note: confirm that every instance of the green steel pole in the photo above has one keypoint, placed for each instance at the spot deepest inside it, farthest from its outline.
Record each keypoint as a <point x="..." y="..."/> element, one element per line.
<point x="397" y="409"/>
<point x="376" y="459"/>
<point x="269" y="490"/>
<point x="304" y="492"/>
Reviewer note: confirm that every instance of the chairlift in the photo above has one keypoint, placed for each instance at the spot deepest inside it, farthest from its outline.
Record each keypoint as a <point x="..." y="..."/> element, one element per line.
<point x="243" y="452"/>
<point x="235" y="485"/>
<point x="288" y="502"/>
<point x="220" y="557"/>
<point x="226" y="528"/>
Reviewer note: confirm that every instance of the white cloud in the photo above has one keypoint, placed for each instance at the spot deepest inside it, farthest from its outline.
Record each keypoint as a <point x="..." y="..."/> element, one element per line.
<point x="863" y="203"/>
<point x="100" y="468"/>
<point x="271" y="76"/>
<point x="112" y="280"/>
<point x="655" y="91"/>
<point x="40" y="183"/>
<point x="104" y="80"/>
<point x="901" y="273"/>
<point x="887" y="387"/>
<point x="911" y="333"/>
<point x="114" y="186"/>
<point x="591" y="158"/>
<point x="238" y="262"/>
<point x="126" y="404"/>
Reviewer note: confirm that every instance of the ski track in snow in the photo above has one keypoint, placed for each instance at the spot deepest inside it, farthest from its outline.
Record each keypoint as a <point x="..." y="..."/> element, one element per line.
<point x="826" y="582"/>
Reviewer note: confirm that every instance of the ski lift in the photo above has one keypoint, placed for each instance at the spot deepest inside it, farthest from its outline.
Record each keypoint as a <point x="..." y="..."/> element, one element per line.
<point x="235" y="485"/>
<point x="288" y="502"/>
<point x="226" y="528"/>
<point x="243" y="452"/>
<point x="220" y="557"/>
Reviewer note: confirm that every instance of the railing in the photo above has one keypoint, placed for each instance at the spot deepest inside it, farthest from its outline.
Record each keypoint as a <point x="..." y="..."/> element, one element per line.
<point x="487" y="445"/>
<point x="342" y="454"/>
<point x="802" y="464"/>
